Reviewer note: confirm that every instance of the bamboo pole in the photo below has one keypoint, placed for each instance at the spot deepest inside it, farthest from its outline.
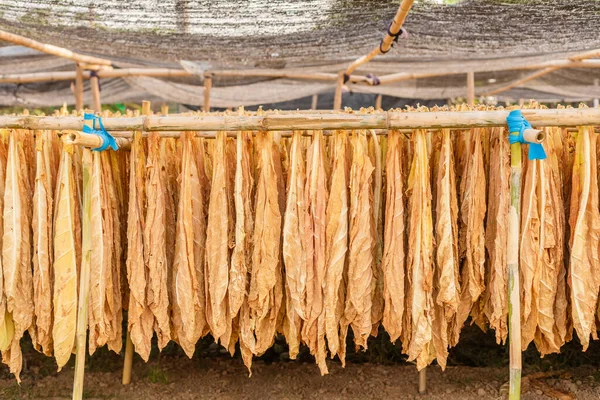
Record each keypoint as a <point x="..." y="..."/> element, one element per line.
<point x="514" y="304"/>
<point x="337" y="97"/>
<point x="94" y="141"/>
<point x="423" y="381"/>
<point x="314" y="102"/>
<point x="128" y="361"/>
<point x="311" y="121"/>
<point x="54" y="76"/>
<point x="95" y="87"/>
<point x="471" y="88"/>
<point x="84" y="279"/>
<point x="78" y="88"/>
<point x="53" y="50"/>
<point x="207" y="89"/>
<point x="387" y="41"/>
<point x="526" y="78"/>
<point x="378" y="100"/>
<point x="595" y="53"/>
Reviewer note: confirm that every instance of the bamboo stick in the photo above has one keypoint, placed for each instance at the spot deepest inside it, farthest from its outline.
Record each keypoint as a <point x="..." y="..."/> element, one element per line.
<point x="378" y="100"/>
<point x="595" y="53"/>
<point x="527" y="78"/>
<point x="337" y="97"/>
<point x="78" y="88"/>
<point x="423" y="381"/>
<point x="387" y="41"/>
<point x="207" y="88"/>
<point x="95" y="86"/>
<point x="103" y="73"/>
<point x="94" y="141"/>
<point x="311" y="121"/>
<point x="84" y="279"/>
<point x="471" y="88"/>
<point x="514" y="304"/>
<point x="53" y="50"/>
<point x="314" y="102"/>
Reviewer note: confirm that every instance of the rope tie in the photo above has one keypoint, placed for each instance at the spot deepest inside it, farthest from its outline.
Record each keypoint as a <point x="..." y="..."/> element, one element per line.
<point x="107" y="139"/>
<point x="517" y="124"/>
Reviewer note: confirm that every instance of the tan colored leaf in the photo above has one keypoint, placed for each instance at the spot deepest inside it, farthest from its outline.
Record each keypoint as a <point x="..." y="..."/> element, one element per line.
<point x="65" y="262"/>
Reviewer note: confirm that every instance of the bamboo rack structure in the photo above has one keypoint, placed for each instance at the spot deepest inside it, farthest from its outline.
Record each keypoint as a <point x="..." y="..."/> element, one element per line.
<point x="312" y="121"/>
<point x="207" y="125"/>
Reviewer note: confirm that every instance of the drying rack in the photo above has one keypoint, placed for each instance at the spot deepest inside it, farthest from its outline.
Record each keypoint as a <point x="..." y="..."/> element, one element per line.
<point x="207" y="125"/>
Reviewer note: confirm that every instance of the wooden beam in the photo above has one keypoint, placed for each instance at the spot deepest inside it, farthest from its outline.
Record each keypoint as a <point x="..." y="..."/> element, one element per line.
<point x="207" y="89"/>
<point x="471" y="88"/>
<point x="522" y="80"/>
<point x="312" y="121"/>
<point x="53" y="50"/>
<point x="387" y="41"/>
<point x="337" y="97"/>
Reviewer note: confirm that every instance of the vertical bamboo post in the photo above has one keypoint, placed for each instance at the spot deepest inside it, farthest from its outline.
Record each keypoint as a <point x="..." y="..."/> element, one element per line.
<point x="314" y="102"/>
<point x="84" y="279"/>
<point x="423" y="381"/>
<point x="471" y="88"/>
<point x="378" y="100"/>
<point x="514" y="304"/>
<point x="78" y="88"/>
<point x="596" y="103"/>
<point x="207" y="88"/>
<point x="337" y="98"/>
<point x="95" y="87"/>
<point x="164" y="109"/>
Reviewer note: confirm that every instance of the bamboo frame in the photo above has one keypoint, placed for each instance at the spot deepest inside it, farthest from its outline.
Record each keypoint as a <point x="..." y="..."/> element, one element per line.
<point x="313" y="120"/>
<point x="53" y="50"/>
<point x="387" y="41"/>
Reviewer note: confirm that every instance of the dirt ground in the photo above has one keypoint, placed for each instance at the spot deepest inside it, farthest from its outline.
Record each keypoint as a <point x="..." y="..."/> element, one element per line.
<point x="209" y="378"/>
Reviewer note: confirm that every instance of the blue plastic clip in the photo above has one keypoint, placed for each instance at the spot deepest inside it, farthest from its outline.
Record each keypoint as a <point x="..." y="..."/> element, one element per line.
<point x="107" y="139"/>
<point x="517" y="124"/>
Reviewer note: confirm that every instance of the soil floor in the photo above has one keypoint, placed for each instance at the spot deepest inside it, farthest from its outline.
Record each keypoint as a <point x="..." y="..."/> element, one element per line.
<point x="176" y="377"/>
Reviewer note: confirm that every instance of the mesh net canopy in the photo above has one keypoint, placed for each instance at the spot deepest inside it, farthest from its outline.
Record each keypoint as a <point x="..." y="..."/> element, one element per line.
<point x="485" y="36"/>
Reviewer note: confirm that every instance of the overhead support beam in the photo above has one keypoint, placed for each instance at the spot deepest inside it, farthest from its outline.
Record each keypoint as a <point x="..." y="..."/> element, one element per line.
<point x="53" y="50"/>
<point x="312" y="121"/>
<point x="387" y="41"/>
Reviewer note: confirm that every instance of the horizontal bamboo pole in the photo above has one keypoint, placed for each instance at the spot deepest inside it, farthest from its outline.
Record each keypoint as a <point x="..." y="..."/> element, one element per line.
<point x="94" y="141"/>
<point x="525" y="79"/>
<point x="53" y="50"/>
<point x="103" y="73"/>
<point x="310" y="121"/>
